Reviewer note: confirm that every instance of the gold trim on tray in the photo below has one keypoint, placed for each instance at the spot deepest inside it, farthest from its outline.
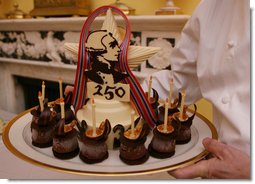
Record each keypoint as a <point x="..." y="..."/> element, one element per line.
<point x="22" y="156"/>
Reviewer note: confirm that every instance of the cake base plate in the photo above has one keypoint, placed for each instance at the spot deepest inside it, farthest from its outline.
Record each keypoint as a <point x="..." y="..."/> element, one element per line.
<point x="17" y="138"/>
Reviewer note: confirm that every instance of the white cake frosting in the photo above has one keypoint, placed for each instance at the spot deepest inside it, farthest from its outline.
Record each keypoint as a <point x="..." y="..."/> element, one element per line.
<point x="116" y="112"/>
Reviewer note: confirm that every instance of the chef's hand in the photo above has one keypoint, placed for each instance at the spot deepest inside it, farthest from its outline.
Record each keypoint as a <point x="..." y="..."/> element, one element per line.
<point x="68" y="89"/>
<point x="226" y="162"/>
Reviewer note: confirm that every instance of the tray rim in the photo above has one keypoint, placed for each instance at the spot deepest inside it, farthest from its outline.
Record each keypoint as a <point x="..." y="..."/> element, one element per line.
<point x="13" y="150"/>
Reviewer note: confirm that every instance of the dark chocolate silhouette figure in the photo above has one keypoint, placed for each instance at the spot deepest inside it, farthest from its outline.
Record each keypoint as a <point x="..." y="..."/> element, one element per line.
<point x="103" y="51"/>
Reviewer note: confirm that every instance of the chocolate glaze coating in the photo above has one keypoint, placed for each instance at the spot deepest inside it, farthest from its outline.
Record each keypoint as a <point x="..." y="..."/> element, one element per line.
<point x="93" y="153"/>
<point x="184" y="132"/>
<point x="162" y="145"/>
<point x="133" y="151"/>
<point x="67" y="155"/>
<point x="65" y="146"/>
<point x="42" y="135"/>
<point x="42" y="126"/>
<point x="93" y="149"/>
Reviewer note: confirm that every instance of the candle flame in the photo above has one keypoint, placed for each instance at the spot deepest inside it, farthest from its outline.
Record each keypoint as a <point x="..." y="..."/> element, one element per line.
<point x="39" y="93"/>
<point x="166" y="100"/>
<point x="150" y="78"/>
<point x="43" y="83"/>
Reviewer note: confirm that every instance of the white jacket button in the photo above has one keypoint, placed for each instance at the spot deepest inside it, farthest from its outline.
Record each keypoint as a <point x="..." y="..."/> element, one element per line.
<point x="231" y="44"/>
<point x="225" y="100"/>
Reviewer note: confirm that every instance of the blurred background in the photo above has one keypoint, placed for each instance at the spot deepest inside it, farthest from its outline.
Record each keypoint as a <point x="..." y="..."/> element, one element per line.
<point x="143" y="7"/>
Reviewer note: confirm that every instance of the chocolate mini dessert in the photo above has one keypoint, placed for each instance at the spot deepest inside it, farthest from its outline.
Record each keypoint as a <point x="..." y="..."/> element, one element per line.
<point x="65" y="143"/>
<point x="93" y="148"/>
<point x="69" y="114"/>
<point x="184" y="133"/>
<point x="172" y="108"/>
<point x="42" y="126"/>
<point x="132" y="148"/>
<point x="162" y="144"/>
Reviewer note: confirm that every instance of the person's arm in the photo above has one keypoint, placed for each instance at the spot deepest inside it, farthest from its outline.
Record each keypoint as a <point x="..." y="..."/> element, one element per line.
<point x="184" y="60"/>
<point x="183" y="64"/>
<point x="226" y="162"/>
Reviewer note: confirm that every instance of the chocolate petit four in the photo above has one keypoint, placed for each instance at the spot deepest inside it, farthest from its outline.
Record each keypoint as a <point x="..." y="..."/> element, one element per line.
<point x="69" y="114"/>
<point x="184" y="122"/>
<point x="65" y="143"/>
<point x="42" y="125"/>
<point x="162" y="144"/>
<point x="93" y="148"/>
<point x="132" y="147"/>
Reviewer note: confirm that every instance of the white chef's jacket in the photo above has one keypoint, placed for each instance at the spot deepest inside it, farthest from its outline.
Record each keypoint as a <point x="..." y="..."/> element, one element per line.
<point x="212" y="60"/>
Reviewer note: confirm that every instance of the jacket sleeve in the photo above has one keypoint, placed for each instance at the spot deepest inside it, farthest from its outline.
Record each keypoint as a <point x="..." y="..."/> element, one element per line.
<point x="184" y="60"/>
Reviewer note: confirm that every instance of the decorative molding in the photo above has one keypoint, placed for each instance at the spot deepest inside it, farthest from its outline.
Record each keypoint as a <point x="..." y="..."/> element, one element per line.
<point x="37" y="45"/>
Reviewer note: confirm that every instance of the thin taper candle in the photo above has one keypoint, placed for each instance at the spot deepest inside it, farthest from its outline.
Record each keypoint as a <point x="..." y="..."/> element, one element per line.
<point x="94" y="116"/>
<point x="40" y="101"/>
<point x="62" y="106"/>
<point x="166" y="115"/>
<point x="132" y="124"/>
<point x="43" y="90"/>
<point x="60" y="88"/>
<point x="171" y="86"/>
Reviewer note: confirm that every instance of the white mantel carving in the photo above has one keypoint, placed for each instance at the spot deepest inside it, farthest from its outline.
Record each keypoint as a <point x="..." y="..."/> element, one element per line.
<point x="11" y="98"/>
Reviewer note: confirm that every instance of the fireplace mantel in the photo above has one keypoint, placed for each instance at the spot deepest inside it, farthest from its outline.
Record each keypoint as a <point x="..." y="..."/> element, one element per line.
<point x="138" y="23"/>
<point x="34" y="48"/>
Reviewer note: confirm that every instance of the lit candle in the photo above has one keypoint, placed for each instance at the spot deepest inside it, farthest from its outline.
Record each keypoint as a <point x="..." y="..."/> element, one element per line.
<point x="40" y="101"/>
<point x="171" y="86"/>
<point x="182" y="104"/>
<point x="149" y="89"/>
<point x="60" y="88"/>
<point x="43" y="90"/>
<point x="62" y="106"/>
<point x="132" y="124"/>
<point x="166" y="115"/>
<point x="94" y="116"/>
